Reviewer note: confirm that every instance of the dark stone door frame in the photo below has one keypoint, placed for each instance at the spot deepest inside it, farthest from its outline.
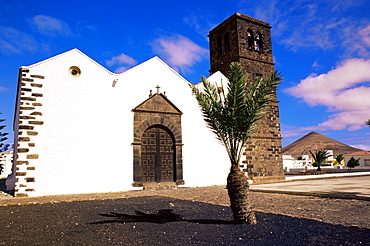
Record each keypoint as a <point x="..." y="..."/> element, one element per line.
<point x="147" y="115"/>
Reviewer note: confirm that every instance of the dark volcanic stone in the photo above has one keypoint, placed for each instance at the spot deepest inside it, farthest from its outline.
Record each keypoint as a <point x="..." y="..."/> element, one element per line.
<point x="156" y="220"/>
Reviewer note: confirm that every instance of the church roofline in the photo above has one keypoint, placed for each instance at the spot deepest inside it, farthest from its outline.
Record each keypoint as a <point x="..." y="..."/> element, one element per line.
<point x="215" y="74"/>
<point x="156" y="58"/>
<point x="241" y="16"/>
<point x="74" y="50"/>
<point x="257" y="21"/>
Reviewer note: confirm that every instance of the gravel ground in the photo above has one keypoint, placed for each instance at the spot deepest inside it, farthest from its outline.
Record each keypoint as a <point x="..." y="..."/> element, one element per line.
<point x="187" y="216"/>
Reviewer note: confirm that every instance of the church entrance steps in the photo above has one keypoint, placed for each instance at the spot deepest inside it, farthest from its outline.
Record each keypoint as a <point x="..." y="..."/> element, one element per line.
<point x="159" y="186"/>
<point x="3" y="194"/>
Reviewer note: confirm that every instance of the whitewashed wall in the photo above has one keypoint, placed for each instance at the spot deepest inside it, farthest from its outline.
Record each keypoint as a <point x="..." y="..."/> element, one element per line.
<point x="364" y="159"/>
<point x="84" y="144"/>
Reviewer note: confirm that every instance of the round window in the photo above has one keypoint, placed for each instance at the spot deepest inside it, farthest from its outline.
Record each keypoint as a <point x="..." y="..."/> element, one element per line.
<point x="74" y="71"/>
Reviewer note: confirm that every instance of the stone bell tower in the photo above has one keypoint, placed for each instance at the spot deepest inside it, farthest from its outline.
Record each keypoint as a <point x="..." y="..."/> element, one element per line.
<point x="246" y="40"/>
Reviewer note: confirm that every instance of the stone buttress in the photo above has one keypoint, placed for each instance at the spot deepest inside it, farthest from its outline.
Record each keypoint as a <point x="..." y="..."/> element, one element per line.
<point x="28" y="119"/>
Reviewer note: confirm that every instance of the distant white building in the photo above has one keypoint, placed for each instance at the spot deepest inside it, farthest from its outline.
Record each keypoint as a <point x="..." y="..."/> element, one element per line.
<point x="364" y="157"/>
<point x="290" y="163"/>
<point x="331" y="157"/>
<point x="6" y="159"/>
<point x="305" y="162"/>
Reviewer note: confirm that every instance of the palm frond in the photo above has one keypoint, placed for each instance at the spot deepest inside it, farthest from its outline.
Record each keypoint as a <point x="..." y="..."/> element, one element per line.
<point x="232" y="116"/>
<point x="320" y="156"/>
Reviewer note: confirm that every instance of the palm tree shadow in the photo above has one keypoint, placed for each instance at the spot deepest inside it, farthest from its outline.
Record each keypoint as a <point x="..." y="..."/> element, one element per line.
<point x="160" y="217"/>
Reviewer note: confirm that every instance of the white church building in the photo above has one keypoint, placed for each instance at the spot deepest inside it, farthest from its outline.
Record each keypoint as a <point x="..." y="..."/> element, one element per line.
<point x="80" y="128"/>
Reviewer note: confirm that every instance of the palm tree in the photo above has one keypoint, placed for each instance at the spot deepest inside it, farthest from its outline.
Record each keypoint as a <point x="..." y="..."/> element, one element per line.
<point x="232" y="114"/>
<point x="3" y="147"/>
<point x="320" y="156"/>
<point x="3" y="138"/>
<point x="339" y="158"/>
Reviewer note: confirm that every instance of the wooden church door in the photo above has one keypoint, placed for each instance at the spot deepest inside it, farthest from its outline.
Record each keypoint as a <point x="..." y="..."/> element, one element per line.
<point x="157" y="155"/>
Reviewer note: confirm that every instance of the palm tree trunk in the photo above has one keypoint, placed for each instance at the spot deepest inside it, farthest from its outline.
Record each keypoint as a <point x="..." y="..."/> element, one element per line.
<point x="238" y="190"/>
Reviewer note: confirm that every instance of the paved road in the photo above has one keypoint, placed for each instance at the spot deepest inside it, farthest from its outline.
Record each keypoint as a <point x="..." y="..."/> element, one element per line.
<point x="341" y="187"/>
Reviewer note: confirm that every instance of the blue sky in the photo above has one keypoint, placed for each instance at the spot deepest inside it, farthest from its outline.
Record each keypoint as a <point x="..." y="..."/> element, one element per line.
<point x="322" y="47"/>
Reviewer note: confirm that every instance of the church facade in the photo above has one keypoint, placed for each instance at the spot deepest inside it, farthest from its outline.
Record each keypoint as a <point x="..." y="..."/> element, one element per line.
<point x="81" y="129"/>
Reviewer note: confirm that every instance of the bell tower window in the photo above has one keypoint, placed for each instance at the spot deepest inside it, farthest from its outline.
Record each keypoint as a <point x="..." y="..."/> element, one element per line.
<point x="220" y="49"/>
<point x="258" y="42"/>
<point x="227" y="42"/>
<point x="250" y="39"/>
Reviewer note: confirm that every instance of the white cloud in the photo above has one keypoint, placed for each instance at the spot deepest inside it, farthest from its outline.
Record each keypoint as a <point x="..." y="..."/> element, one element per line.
<point x="344" y="90"/>
<point x="122" y="61"/>
<point x="199" y="20"/>
<point x="84" y="25"/>
<point x="316" y="65"/>
<point x="351" y="120"/>
<point x="356" y="40"/>
<point x="293" y="131"/>
<point x="193" y="21"/>
<point x="365" y="35"/>
<point x="50" y="26"/>
<point x="13" y="41"/>
<point x="362" y="146"/>
<point x="179" y="52"/>
<point x="314" y="24"/>
<point x="3" y="88"/>
<point x="360" y="141"/>
<point x="325" y="89"/>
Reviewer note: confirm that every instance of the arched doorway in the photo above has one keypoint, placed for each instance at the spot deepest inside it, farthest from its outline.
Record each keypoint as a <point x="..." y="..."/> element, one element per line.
<point x="157" y="145"/>
<point x="158" y="155"/>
